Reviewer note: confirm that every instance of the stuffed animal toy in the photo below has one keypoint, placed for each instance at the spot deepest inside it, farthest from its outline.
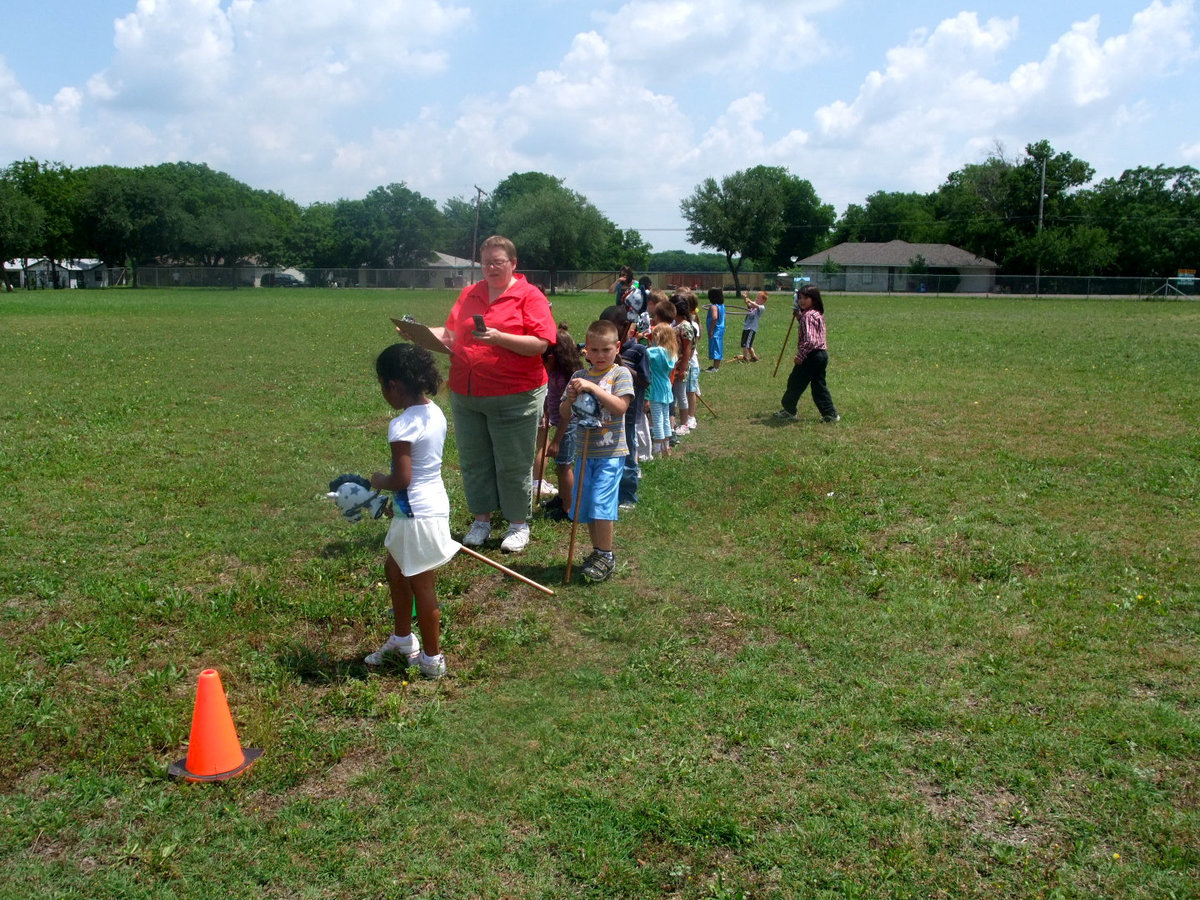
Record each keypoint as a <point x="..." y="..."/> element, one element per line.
<point x="353" y="496"/>
<point x="586" y="410"/>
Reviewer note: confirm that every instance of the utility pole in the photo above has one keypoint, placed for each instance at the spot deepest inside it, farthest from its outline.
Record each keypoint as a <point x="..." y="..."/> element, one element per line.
<point x="475" y="240"/>
<point x="1041" y="212"/>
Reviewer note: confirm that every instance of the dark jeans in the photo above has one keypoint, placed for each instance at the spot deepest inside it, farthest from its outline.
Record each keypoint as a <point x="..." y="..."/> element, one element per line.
<point x="811" y="371"/>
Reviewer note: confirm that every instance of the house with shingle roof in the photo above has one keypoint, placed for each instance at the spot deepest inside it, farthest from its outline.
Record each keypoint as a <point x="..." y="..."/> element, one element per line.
<point x="899" y="266"/>
<point x="455" y="270"/>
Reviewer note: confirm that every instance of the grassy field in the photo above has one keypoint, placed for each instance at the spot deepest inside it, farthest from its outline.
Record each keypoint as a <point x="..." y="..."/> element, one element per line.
<point x="947" y="648"/>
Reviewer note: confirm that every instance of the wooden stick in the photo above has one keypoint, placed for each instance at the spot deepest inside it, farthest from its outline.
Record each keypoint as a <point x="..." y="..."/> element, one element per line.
<point x="700" y="397"/>
<point x="506" y="570"/>
<point x="578" y="499"/>
<point x="786" y="340"/>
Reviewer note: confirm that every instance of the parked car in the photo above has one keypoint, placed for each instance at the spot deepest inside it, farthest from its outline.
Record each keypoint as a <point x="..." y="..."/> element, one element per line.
<point x="280" y="279"/>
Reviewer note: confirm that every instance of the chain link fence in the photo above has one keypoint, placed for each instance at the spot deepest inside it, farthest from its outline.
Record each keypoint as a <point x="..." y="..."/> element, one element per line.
<point x="569" y="282"/>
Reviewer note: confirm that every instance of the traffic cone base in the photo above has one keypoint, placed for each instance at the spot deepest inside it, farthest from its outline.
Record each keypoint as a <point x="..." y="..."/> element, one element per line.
<point x="179" y="769"/>
<point x="214" y="753"/>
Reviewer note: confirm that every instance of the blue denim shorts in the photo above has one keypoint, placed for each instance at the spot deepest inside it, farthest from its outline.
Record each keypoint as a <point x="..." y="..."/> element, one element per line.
<point x="600" y="484"/>
<point x="566" y="447"/>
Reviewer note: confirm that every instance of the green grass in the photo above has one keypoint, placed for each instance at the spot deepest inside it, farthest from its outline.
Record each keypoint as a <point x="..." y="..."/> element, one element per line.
<point x="947" y="648"/>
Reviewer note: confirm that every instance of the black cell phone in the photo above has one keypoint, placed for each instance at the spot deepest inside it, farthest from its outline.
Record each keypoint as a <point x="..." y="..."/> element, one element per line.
<point x="479" y="326"/>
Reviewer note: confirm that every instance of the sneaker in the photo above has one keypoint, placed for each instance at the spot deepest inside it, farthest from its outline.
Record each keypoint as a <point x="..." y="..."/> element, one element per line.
<point x="712" y="369"/>
<point x="516" y="539"/>
<point x="784" y="414"/>
<point x="681" y="431"/>
<point x="597" y="567"/>
<point x="832" y="419"/>
<point x="626" y="505"/>
<point x="398" y="649"/>
<point x="545" y="489"/>
<point x="477" y="534"/>
<point x="432" y="666"/>
<point x="691" y="424"/>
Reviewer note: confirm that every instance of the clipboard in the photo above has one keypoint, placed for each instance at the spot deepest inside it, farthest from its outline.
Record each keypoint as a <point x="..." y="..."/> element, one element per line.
<point x="420" y="335"/>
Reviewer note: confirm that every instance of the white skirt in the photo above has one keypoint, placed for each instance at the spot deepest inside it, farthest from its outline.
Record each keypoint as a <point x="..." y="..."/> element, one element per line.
<point x="418" y="545"/>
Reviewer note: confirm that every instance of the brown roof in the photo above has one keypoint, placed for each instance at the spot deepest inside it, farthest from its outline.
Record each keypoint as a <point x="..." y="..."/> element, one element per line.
<point x="899" y="254"/>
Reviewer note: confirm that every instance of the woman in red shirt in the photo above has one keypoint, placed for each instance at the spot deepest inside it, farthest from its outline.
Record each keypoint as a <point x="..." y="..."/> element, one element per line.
<point x="497" y="388"/>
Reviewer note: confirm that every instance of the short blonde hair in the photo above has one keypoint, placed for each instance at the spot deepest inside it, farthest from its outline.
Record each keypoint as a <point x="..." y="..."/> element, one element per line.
<point x="509" y="248"/>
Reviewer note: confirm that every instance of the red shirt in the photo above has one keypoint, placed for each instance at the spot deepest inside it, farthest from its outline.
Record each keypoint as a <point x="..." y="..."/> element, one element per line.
<point x="482" y="370"/>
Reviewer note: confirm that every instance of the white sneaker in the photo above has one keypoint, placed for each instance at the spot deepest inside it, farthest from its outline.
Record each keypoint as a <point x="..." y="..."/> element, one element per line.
<point x="477" y="533"/>
<point x="432" y="666"/>
<point x="691" y="423"/>
<point x="682" y="431"/>
<point x="400" y="649"/>
<point x="516" y="539"/>
<point x="545" y="489"/>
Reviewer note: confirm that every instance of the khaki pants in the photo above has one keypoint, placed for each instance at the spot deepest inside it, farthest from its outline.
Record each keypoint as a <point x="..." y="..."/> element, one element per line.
<point x="497" y="440"/>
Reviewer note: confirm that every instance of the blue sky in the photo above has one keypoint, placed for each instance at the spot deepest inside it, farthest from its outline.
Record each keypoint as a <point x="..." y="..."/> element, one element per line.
<point x="631" y="103"/>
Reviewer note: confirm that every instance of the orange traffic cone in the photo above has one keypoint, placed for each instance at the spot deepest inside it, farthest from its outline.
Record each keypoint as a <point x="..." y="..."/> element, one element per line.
<point x="214" y="753"/>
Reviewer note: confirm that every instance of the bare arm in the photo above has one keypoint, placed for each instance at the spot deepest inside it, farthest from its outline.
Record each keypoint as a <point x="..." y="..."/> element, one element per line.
<point x="401" y="474"/>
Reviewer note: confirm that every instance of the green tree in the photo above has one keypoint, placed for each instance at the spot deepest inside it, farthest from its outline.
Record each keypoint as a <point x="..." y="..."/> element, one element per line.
<point x="891" y="216"/>
<point x="313" y="241"/>
<point x="807" y="222"/>
<point x="995" y="208"/>
<point x="685" y="262"/>
<point x="402" y="227"/>
<point x="623" y="248"/>
<point x="554" y="229"/>
<point x="20" y="222"/>
<point x="1152" y="217"/>
<point x="516" y="186"/>
<point x="54" y="188"/>
<point x="465" y="223"/>
<point x="973" y="205"/>
<point x="127" y="215"/>
<point x="742" y="216"/>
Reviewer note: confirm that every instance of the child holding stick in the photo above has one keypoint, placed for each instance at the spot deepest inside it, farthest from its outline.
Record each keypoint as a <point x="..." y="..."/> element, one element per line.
<point x="597" y="397"/>
<point x="418" y="540"/>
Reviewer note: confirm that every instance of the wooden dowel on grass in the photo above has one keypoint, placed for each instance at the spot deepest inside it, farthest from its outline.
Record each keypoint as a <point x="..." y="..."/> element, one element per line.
<point x="506" y="570"/>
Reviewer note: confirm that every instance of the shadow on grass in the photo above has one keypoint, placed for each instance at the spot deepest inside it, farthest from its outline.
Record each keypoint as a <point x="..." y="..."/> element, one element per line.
<point x="364" y="541"/>
<point x="316" y="666"/>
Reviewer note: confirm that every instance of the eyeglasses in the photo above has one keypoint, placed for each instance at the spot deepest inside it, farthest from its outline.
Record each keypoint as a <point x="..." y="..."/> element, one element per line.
<point x="495" y="263"/>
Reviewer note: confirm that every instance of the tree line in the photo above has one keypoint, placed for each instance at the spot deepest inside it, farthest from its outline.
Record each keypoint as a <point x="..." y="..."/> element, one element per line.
<point x="1036" y="212"/>
<point x="188" y="214"/>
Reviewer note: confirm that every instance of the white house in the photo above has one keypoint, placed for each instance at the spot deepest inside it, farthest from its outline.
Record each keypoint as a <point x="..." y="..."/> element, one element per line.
<point x="68" y="273"/>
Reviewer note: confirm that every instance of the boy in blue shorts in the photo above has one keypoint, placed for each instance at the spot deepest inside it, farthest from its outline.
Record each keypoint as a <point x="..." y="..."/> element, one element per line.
<point x="596" y="399"/>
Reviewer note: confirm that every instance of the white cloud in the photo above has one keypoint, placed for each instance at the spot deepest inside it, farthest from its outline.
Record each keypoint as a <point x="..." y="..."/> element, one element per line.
<point x="939" y="102"/>
<point x="632" y="107"/>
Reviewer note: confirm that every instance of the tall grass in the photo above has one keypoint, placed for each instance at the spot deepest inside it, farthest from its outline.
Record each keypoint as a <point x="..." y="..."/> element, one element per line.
<point x="945" y="648"/>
